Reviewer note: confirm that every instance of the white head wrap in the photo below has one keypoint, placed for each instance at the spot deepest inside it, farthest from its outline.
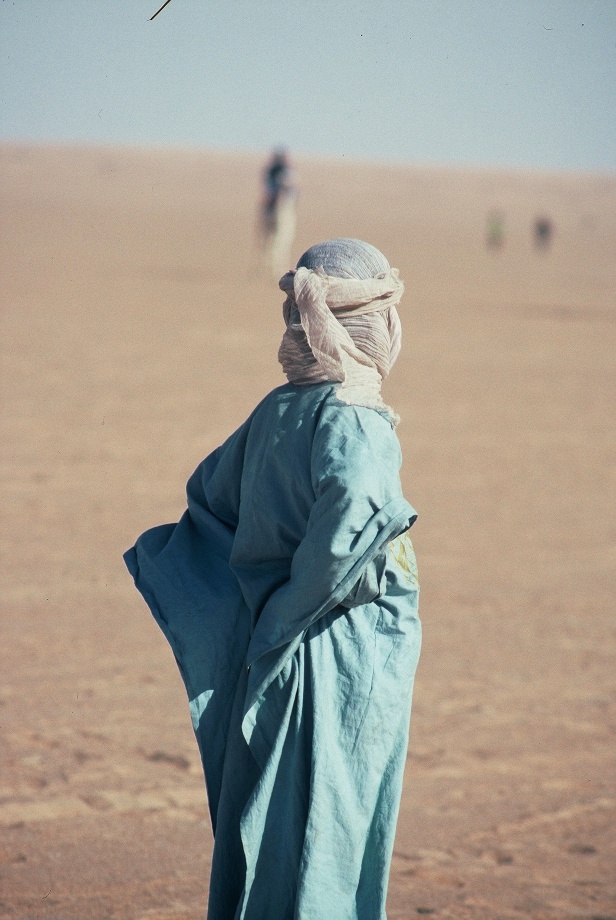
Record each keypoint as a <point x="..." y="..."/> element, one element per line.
<point x="342" y="322"/>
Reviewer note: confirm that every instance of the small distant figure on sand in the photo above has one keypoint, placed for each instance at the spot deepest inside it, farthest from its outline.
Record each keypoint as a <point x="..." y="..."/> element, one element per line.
<point x="277" y="217"/>
<point x="495" y="231"/>
<point x="543" y="232"/>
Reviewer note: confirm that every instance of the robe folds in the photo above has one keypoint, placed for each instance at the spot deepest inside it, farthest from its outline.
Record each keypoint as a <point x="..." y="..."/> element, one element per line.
<point x="288" y="593"/>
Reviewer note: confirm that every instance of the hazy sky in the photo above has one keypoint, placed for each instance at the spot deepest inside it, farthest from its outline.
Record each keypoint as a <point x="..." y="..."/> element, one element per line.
<point x="505" y="82"/>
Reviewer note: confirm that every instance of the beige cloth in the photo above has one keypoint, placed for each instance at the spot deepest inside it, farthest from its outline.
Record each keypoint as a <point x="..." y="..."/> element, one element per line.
<point x="343" y="330"/>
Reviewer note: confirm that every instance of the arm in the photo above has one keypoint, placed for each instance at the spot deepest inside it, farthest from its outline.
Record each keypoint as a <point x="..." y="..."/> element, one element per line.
<point x="358" y="509"/>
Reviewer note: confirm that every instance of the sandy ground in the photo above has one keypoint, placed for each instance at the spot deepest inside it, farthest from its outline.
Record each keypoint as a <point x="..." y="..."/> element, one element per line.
<point x="135" y="337"/>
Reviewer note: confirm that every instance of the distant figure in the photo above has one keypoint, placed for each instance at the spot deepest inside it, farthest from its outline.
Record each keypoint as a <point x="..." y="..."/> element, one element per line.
<point x="495" y="233"/>
<point x="543" y="232"/>
<point x="277" y="215"/>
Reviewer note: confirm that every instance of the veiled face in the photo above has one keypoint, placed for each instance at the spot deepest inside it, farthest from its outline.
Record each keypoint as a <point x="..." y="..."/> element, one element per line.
<point x="345" y="258"/>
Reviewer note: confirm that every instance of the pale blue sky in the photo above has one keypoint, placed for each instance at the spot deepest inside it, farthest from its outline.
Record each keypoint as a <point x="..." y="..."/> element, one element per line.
<point x="485" y="82"/>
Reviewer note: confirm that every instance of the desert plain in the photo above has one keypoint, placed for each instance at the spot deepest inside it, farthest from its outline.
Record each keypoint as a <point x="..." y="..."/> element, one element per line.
<point x="138" y="330"/>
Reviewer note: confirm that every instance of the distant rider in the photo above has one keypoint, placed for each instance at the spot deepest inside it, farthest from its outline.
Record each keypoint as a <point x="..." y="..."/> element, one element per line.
<point x="278" y="181"/>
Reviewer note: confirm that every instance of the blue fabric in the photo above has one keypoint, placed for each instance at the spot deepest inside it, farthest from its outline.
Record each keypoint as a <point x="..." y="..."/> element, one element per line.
<point x="288" y="593"/>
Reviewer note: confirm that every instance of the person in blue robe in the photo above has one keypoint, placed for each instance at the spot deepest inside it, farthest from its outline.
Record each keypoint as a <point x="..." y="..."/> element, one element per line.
<point x="288" y="593"/>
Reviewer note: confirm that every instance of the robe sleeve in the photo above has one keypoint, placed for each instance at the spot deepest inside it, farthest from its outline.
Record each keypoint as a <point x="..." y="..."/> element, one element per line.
<point x="182" y="571"/>
<point x="371" y="584"/>
<point x="358" y="508"/>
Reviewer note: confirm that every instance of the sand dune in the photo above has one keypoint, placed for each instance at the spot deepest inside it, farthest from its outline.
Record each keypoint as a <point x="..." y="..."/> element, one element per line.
<point x="136" y="334"/>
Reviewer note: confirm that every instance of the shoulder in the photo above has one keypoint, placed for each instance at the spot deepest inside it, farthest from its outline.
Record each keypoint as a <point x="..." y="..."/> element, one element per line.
<point x="355" y="441"/>
<point x="361" y="423"/>
<point x="268" y="403"/>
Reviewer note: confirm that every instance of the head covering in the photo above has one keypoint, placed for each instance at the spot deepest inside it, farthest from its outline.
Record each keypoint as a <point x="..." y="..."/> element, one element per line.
<point x="341" y="319"/>
<point x="345" y="258"/>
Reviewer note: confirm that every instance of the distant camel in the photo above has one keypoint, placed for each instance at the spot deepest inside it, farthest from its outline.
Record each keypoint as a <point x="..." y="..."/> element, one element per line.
<point x="277" y="231"/>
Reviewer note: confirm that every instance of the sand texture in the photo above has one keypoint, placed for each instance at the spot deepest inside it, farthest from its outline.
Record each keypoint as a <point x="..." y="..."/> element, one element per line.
<point x="136" y="334"/>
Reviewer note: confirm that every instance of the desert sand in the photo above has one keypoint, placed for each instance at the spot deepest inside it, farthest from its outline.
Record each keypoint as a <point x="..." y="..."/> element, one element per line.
<point x="137" y="333"/>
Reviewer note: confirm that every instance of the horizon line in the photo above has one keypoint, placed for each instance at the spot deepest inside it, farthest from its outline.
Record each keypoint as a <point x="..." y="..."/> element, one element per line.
<point x="263" y="152"/>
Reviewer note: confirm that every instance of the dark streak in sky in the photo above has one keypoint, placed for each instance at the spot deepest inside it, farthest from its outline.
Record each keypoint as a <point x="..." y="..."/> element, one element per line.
<point x="160" y="10"/>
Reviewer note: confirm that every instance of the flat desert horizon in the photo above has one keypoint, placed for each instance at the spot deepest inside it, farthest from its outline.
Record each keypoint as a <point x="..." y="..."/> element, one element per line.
<point x="138" y="331"/>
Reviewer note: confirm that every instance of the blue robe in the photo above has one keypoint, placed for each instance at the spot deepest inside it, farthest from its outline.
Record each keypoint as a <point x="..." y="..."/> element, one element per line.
<point x="288" y="592"/>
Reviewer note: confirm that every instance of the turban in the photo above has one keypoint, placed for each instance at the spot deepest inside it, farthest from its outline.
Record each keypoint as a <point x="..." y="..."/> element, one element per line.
<point x="342" y="324"/>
